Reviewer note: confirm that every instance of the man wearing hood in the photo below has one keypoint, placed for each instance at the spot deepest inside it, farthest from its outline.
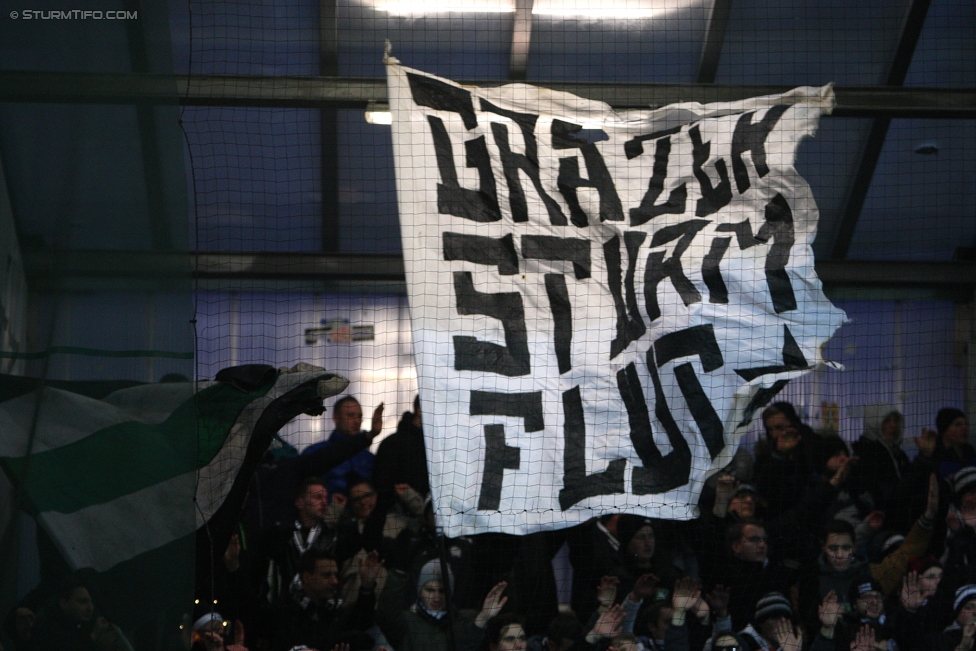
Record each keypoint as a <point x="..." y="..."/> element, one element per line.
<point x="883" y="463"/>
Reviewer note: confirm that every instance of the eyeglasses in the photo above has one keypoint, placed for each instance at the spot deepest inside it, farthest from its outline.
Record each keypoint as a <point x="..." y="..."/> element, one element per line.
<point x="840" y="548"/>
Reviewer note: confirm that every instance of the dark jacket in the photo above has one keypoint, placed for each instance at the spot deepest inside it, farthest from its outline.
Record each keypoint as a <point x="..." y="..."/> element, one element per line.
<point x="401" y="459"/>
<point x="299" y="621"/>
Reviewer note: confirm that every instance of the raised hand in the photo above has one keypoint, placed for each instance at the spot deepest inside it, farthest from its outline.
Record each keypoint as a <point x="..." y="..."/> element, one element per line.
<point x="968" y="631"/>
<point x="932" y="502"/>
<point x="718" y="599"/>
<point x="864" y="640"/>
<point x="911" y="592"/>
<point x="238" y="644"/>
<point x="232" y="557"/>
<point x="843" y="470"/>
<point x="788" y="637"/>
<point x="606" y="591"/>
<point x="607" y="624"/>
<point x="377" y="423"/>
<point x="830" y="610"/>
<point x="494" y="601"/>
<point x="369" y="570"/>
<point x="686" y="593"/>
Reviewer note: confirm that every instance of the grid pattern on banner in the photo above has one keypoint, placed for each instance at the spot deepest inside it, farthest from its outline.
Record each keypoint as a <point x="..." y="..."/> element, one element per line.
<point x="638" y="373"/>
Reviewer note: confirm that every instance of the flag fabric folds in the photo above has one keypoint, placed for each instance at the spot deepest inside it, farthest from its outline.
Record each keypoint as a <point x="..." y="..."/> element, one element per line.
<point x="600" y="300"/>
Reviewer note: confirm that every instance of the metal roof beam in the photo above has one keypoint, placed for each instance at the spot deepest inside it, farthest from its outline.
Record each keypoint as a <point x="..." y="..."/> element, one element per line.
<point x="353" y="92"/>
<point x="45" y="263"/>
<point x="518" y="62"/>
<point x="718" y="22"/>
<point x="858" y="191"/>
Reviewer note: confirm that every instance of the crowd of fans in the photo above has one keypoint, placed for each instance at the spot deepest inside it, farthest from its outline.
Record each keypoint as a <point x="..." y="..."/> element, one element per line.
<point x="805" y="544"/>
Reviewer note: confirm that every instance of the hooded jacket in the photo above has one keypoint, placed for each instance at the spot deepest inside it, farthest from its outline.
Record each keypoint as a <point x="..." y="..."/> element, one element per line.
<point x="883" y="464"/>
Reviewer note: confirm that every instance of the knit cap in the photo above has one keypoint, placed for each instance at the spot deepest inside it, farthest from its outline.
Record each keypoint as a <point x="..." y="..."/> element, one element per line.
<point x="859" y="589"/>
<point x="964" y="594"/>
<point x="773" y="604"/>
<point x="965" y="480"/>
<point x="431" y="571"/>
<point x="945" y="417"/>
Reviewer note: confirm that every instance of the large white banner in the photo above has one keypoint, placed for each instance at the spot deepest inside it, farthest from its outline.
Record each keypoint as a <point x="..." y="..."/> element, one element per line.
<point x="600" y="300"/>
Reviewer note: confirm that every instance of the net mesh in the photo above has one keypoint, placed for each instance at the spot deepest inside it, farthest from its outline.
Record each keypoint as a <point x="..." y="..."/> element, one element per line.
<point x="307" y="261"/>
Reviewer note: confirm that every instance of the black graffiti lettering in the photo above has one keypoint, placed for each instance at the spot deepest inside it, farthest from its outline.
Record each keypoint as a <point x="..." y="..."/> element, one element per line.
<point x="527" y="406"/>
<point x="793" y="360"/>
<point x="658" y="474"/>
<point x="711" y="271"/>
<point x="569" y="177"/>
<point x="441" y="96"/>
<point x="713" y="198"/>
<point x="759" y="400"/>
<point x="700" y="341"/>
<point x="562" y="318"/>
<point x="528" y="162"/>
<point x="630" y="325"/>
<point x="544" y="247"/>
<point x="658" y="268"/>
<point x="470" y="354"/>
<point x="779" y="228"/>
<point x="749" y="137"/>
<point x="498" y="458"/>
<point x="675" y="205"/>
<point x="477" y="205"/>
<point x="635" y="146"/>
<point x="483" y="250"/>
<point x="568" y="171"/>
<point x="577" y="484"/>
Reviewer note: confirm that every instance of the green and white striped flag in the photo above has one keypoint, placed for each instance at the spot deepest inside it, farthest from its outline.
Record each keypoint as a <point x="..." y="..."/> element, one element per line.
<point x="113" y="474"/>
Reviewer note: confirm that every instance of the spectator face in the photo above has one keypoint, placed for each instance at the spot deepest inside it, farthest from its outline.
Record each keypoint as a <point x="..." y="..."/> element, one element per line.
<point x="362" y="500"/>
<point x="839" y="550"/>
<point x="511" y="638"/>
<point x="641" y="545"/>
<point x="743" y="505"/>
<point x="967" y="614"/>
<point x="752" y="546"/>
<point x="836" y="461"/>
<point x="432" y="596"/>
<point x="311" y="506"/>
<point x="890" y="429"/>
<point x="321" y="585"/>
<point x="957" y="433"/>
<point x="349" y="419"/>
<point x="929" y="580"/>
<point x="79" y="607"/>
<point x="768" y="628"/>
<point x="781" y="431"/>
<point x="870" y="605"/>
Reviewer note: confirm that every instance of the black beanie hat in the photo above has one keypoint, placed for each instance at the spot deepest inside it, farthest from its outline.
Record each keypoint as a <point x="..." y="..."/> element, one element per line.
<point x="945" y="417"/>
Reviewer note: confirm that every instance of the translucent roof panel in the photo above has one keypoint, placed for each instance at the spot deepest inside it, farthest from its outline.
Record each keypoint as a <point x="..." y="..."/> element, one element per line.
<point x="946" y="51"/>
<point x="257" y="37"/>
<point x="663" y="49"/>
<point x="258" y="178"/>
<point x="77" y="180"/>
<point x="368" y="217"/>
<point x="454" y="45"/>
<point x="828" y="162"/>
<point x="811" y="42"/>
<point x="922" y="201"/>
